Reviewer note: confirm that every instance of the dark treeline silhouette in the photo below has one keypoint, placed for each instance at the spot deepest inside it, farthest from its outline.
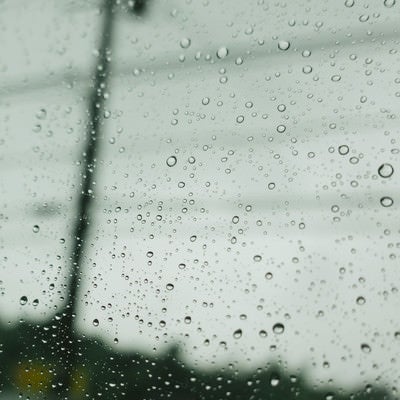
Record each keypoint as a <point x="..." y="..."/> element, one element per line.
<point x="32" y="360"/>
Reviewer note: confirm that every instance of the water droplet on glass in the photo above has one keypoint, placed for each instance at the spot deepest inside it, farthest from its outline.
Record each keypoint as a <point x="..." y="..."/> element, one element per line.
<point x="283" y="45"/>
<point x="41" y="114"/>
<point x="36" y="228"/>
<point x="185" y="43"/>
<point x="239" y="61"/>
<point x="35" y="302"/>
<point x="389" y="3"/>
<point x="365" y="348"/>
<point x="170" y="286"/>
<point x="278" y="328"/>
<point x="96" y="322"/>
<point x="360" y="300"/>
<point x="343" y="149"/>
<point x="222" y="52"/>
<point x="307" y="69"/>
<point x="349" y="3"/>
<point x="188" y="320"/>
<point x="385" y="170"/>
<point x="23" y="300"/>
<point x="171" y="161"/>
<point x="275" y="379"/>
<point x="257" y="258"/>
<point x="386" y="201"/>
<point x="263" y="333"/>
<point x="268" y="276"/>
<point x="237" y="334"/>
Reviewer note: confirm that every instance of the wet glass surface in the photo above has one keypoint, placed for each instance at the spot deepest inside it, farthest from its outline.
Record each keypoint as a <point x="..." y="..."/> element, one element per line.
<point x="199" y="199"/>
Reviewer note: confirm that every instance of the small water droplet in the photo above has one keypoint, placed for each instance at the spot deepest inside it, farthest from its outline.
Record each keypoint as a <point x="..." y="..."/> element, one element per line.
<point x="170" y="286"/>
<point x="36" y="228"/>
<point x="23" y="300"/>
<point x="275" y="379"/>
<point x="96" y="322"/>
<point x="41" y="114"/>
<point x="365" y="348"/>
<point x="386" y="201"/>
<point x="283" y="45"/>
<point x="237" y="334"/>
<point x="263" y="333"/>
<point x="171" y="161"/>
<point x="360" y="300"/>
<point x="35" y="302"/>
<point x="268" y="276"/>
<point x="257" y="258"/>
<point x="185" y="43"/>
<point x="222" y="52"/>
<point x="385" y="170"/>
<point x="188" y="320"/>
<point x="343" y="149"/>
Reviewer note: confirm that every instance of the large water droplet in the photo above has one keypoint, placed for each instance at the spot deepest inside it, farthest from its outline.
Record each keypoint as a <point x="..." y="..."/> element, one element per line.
<point x="222" y="52"/>
<point x="171" y="161"/>
<point x="278" y="328"/>
<point x="283" y="45"/>
<point x="386" y="201"/>
<point x="343" y="149"/>
<point x="389" y="3"/>
<point x="23" y="300"/>
<point x="385" y="170"/>
<point x="275" y="379"/>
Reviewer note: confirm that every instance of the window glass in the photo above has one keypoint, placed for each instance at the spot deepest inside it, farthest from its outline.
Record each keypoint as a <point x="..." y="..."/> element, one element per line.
<point x="199" y="199"/>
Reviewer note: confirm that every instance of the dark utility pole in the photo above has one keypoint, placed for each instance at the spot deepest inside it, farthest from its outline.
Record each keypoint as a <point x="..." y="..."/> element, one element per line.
<point x="68" y="342"/>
